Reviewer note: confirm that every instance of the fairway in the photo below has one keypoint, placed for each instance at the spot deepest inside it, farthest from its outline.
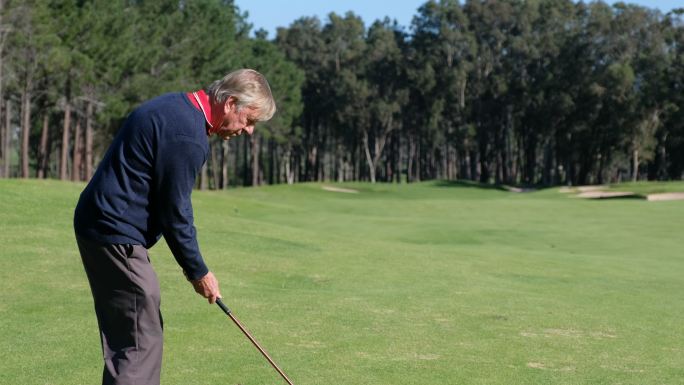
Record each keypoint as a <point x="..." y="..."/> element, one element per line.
<point x="428" y="283"/>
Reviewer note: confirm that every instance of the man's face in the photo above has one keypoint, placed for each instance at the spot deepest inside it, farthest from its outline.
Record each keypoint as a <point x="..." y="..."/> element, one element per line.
<point x="232" y="121"/>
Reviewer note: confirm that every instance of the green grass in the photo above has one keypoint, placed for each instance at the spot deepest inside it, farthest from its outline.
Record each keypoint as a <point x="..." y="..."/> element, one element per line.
<point x="431" y="283"/>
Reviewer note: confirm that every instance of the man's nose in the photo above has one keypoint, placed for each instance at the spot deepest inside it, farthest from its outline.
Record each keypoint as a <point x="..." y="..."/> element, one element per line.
<point x="249" y="130"/>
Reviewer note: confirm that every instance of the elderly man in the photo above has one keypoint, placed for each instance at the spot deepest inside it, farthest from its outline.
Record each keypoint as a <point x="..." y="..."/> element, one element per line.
<point x="141" y="191"/>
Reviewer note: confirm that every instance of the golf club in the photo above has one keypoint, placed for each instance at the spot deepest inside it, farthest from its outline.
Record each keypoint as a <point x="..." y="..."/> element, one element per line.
<point x="270" y="360"/>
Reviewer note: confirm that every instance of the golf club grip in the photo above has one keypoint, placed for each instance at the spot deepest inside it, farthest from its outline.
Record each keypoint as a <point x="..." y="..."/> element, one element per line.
<point x="222" y="306"/>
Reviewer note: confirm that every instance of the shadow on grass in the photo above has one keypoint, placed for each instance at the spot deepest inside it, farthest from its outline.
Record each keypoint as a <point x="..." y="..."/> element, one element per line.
<point x="615" y="198"/>
<point x="470" y="184"/>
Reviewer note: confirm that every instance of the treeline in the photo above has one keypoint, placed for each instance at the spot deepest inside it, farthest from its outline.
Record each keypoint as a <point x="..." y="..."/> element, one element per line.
<point x="530" y="92"/>
<point x="518" y="92"/>
<point x="71" y="71"/>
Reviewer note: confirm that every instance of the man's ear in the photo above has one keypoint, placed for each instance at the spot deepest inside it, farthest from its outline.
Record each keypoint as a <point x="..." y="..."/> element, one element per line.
<point x="231" y="104"/>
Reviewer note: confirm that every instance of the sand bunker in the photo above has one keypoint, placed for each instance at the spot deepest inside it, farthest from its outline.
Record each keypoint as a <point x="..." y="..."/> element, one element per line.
<point x="581" y="189"/>
<point x="605" y="194"/>
<point x="339" y="189"/>
<point x="597" y="192"/>
<point x="519" y="190"/>
<point x="591" y="188"/>
<point x="676" y="196"/>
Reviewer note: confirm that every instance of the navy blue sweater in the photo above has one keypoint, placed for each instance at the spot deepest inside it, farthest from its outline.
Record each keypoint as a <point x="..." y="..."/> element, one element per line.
<point x="141" y="189"/>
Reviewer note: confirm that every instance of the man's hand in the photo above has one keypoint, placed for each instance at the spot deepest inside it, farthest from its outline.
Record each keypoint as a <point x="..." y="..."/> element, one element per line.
<point x="207" y="287"/>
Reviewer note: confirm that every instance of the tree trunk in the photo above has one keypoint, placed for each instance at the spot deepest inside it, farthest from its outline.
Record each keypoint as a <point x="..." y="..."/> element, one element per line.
<point x="89" y="142"/>
<point x="399" y="149"/>
<point x="8" y="138"/>
<point x="236" y="164"/>
<point x="204" y="176"/>
<point x="409" y="159"/>
<point x="277" y="161"/>
<point x="25" y="129"/>
<point x="4" y="139"/>
<point x="311" y="171"/>
<point x="65" y="143"/>
<point x="446" y="172"/>
<point x="3" y="134"/>
<point x="271" y="161"/>
<point x="547" y="176"/>
<point x="41" y="167"/>
<point x="369" y="160"/>
<point x="263" y="166"/>
<point x="342" y="164"/>
<point x="320" y="165"/>
<point x="418" y="174"/>
<point x="76" y="160"/>
<point x="255" y="160"/>
<point x="290" y="171"/>
<point x="602" y="162"/>
<point x="245" y="162"/>
<point x="354" y="166"/>
<point x="660" y="167"/>
<point x="508" y="147"/>
<point x="224" y="164"/>
<point x="475" y="167"/>
<point x="262" y="155"/>
<point x="498" y="166"/>
<point x="465" y="161"/>
<point x="215" y="166"/>
<point x="635" y="164"/>
<point x="455" y="156"/>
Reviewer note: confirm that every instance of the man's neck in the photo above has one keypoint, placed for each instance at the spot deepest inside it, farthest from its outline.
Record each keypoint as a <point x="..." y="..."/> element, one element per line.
<point x="201" y="101"/>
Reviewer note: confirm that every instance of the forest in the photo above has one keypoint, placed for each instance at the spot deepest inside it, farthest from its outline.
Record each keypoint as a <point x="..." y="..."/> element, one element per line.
<point x="515" y="92"/>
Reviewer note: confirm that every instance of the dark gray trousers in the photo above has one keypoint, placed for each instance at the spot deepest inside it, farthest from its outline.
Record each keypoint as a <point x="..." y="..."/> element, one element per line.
<point x="126" y="294"/>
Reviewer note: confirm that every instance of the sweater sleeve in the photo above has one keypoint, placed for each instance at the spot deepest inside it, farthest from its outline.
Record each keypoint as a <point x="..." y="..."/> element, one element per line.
<point x="175" y="176"/>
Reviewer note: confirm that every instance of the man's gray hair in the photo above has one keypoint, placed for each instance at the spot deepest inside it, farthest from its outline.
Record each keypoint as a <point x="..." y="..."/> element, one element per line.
<point x="249" y="87"/>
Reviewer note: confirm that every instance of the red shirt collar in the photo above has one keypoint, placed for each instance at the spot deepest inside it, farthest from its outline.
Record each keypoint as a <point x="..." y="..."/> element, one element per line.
<point x="204" y="99"/>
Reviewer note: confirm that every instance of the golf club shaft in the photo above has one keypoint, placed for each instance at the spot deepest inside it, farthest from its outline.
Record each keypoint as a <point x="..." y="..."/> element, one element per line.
<point x="254" y="342"/>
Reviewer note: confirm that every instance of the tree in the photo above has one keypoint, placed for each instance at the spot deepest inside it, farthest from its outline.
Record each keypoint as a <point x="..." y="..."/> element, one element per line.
<point x="442" y="61"/>
<point x="303" y="44"/>
<point x="388" y="90"/>
<point x="30" y="44"/>
<point x="5" y="135"/>
<point x="286" y="82"/>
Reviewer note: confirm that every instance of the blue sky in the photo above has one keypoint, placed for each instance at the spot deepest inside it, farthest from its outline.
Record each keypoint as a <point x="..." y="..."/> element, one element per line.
<point x="270" y="14"/>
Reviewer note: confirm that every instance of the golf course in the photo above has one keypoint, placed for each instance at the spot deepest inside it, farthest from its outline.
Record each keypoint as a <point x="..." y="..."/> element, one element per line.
<point x="370" y="284"/>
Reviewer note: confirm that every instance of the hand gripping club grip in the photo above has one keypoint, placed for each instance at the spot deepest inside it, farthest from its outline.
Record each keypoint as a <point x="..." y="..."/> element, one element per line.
<point x="223" y="306"/>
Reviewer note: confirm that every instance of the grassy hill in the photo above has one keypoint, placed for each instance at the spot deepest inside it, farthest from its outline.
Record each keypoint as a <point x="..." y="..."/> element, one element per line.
<point x="432" y="283"/>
